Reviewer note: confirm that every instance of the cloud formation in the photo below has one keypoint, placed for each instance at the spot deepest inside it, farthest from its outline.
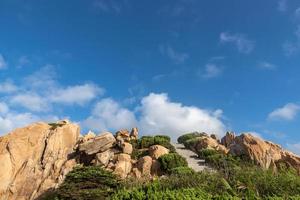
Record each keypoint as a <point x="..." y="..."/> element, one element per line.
<point x="211" y="71"/>
<point x="287" y="112"/>
<point x="282" y="5"/>
<point x="175" y="56"/>
<point x="240" y="41"/>
<point x="266" y="65"/>
<point x="155" y="114"/>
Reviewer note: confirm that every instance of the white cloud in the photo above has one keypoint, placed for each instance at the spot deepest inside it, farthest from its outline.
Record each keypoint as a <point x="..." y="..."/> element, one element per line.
<point x="44" y="78"/>
<point x="109" y="115"/>
<point x="160" y="115"/>
<point x="297" y="13"/>
<point x="8" y="87"/>
<point x="242" y="43"/>
<point x="175" y="56"/>
<point x="287" y="112"/>
<point x="14" y="120"/>
<point x="266" y="65"/>
<point x="282" y="5"/>
<point x="295" y="148"/>
<point x="31" y="101"/>
<point x="79" y="94"/>
<point x="156" y="114"/>
<point x="3" y="63"/>
<point x="211" y="71"/>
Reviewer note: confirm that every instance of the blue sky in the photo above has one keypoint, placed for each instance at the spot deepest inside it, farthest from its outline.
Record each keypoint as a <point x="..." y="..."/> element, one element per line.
<point x="164" y="66"/>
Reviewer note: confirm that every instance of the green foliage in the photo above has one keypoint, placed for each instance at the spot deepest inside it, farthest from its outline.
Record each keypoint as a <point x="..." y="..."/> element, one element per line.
<point x="189" y="136"/>
<point x="170" y="161"/>
<point x="163" y="140"/>
<point x="54" y="126"/>
<point x="84" y="183"/>
<point x="146" y="142"/>
<point x="159" y="138"/>
<point x="182" y="171"/>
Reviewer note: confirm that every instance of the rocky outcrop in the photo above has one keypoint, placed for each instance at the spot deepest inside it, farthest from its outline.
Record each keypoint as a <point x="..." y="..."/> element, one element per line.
<point x="156" y="151"/>
<point x="35" y="158"/>
<point x="228" y="139"/>
<point x="97" y="144"/>
<point x="266" y="154"/>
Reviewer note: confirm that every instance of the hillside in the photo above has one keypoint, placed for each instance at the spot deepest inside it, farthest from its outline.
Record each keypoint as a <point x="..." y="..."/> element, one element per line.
<point x="52" y="161"/>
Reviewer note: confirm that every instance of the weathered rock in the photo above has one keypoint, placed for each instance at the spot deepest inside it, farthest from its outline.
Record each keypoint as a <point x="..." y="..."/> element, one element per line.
<point x="127" y="148"/>
<point x="134" y="133"/>
<point x="136" y="173"/>
<point x="88" y="136"/>
<point x="97" y="144"/>
<point x="207" y="142"/>
<point x="103" y="158"/>
<point x="155" y="151"/>
<point x="228" y="139"/>
<point x="155" y="168"/>
<point x="124" y="134"/>
<point x="144" y="165"/>
<point x="36" y="157"/>
<point x="263" y="153"/>
<point x="123" y="166"/>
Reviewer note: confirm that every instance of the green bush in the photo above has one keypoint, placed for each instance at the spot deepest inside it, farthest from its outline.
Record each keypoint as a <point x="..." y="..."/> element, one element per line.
<point x="84" y="183"/>
<point x="146" y="142"/>
<point x="182" y="171"/>
<point x="189" y="136"/>
<point x="159" y="138"/>
<point x="170" y="161"/>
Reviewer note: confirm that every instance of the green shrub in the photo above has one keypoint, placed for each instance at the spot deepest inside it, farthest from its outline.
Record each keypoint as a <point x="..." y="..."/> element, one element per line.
<point x="188" y="136"/>
<point x="170" y="161"/>
<point x="159" y="138"/>
<point x="84" y="183"/>
<point x="146" y="142"/>
<point x="182" y="171"/>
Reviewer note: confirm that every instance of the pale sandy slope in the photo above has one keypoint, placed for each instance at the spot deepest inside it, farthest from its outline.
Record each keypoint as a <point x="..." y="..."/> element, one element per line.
<point x="193" y="161"/>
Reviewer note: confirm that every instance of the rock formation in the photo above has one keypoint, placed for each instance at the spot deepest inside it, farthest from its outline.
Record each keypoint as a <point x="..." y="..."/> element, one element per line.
<point x="35" y="158"/>
<point x="264" y="153"/>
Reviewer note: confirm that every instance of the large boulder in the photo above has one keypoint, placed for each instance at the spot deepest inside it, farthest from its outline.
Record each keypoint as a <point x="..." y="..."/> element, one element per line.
<point x="206" y="142"/>
<point x="265" y="154"/>
<point x="155" y="151"/>
<point x="123" y="135"/>
<point x="144" y="165"/>
<point x="103" y="158"/>
<point x="98" y="144"/>
<point x="134" y="133"/>
<point x="127" y="148"/>
<point x="123" y="166"/>
<point x="35" y="159"/>
<point x="228" y="139"/>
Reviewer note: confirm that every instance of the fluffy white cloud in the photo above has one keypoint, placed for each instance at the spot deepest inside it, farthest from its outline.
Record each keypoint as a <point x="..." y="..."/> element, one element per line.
<point x="175" y="56"/>
<point x="79" y="94"/>
<point x="242" y="43"/>
<point x="266" y="65"/>
<point x="8" y="87"/>
<point x="14" y="120"/>
<point x="3" y="63"/>
<point x="160" y="115"/>
<point x="31" y="101"/>
<point x="287" y="112"/>
<point x="109" y="115"/>
<point x="156" y="114"/>
<point x="211" y="71"/>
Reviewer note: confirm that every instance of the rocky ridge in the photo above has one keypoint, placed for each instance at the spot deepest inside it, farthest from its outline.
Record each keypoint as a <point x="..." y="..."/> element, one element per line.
<point x="263" y="153"/>
<point x="35" y="159"/>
